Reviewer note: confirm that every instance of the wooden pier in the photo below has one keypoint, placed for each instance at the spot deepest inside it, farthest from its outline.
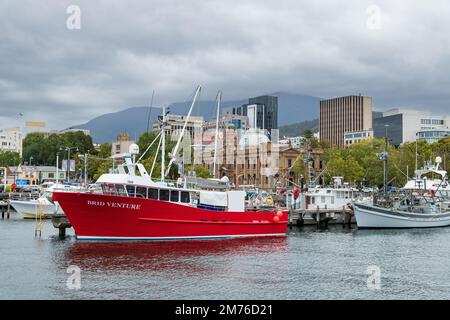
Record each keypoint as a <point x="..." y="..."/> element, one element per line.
<point x="321" y="217"/>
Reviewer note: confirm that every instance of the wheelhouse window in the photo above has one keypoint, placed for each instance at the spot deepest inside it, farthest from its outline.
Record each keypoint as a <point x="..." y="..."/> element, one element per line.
<point x="120" y="189"/>
<point x="131" y="191"/>
<point x="164" y="195"/>
<point x="174" y="195"/>
<point x="153" y="194"/>
<point x="109" y="188"/>
<point x="141" y="192"/>
<point x="185" y="197"/>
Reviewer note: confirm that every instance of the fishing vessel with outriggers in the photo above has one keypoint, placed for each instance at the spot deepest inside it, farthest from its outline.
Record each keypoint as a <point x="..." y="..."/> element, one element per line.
<point x="411" y="207"/>
<point x="133" y="206"/>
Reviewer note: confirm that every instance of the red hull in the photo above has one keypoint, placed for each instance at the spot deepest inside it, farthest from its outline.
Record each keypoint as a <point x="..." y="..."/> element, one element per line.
<point x="96" y="217"/>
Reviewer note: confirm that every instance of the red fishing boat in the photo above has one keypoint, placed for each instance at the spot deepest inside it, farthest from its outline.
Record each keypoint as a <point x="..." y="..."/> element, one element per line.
<point x="134" y="210"/>
<point x="131" y="206"/>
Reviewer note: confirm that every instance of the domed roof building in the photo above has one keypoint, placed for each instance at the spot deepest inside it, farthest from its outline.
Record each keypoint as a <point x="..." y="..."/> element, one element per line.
<point x="253" y="137"/>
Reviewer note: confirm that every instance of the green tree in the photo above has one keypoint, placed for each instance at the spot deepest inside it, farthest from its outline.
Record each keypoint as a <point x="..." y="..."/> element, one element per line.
<point x="8" y="158"/>
<point x="308" y="133"/>
<point x="202" y="172"/>
<point x="144" y="141"/>
<point x="299" y="167"/>
<point x="32" y="145"/>
<point x="105" y="150"/>
<point x="43" y="150"/>
<point x="347" y="168"/>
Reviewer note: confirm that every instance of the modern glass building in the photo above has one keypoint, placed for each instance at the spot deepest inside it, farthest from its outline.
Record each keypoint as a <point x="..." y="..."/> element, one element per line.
<point x="265" y="110"/>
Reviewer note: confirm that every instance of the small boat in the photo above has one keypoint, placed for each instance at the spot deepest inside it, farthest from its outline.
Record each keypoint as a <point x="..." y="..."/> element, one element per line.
<point x="416" y="208"/>
<point x="402" y="211"/>
<point x="440" y="185"/>
<point x="44" y="206"/>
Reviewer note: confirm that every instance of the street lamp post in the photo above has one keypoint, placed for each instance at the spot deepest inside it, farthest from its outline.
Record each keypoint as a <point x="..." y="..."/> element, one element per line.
<point x="84" y="157"/>
<point x="68" y="160"/>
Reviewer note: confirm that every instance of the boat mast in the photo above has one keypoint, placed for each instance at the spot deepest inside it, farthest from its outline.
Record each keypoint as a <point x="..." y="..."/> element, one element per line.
<point x="163" y="142"/>
<point x="219" y="99"/>
<point x="177" y="146"/>
<point x="385" y="158"/>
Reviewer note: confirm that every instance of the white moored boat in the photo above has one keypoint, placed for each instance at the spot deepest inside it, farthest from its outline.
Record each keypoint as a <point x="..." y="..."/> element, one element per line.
<point x="44" y="206"/>
<point x="440" y="185"/>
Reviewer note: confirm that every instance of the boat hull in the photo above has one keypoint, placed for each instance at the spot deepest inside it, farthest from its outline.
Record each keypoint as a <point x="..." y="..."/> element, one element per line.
<point x="30" y="209"/>
<point x="370" y="217"/>
<point x="106" y="217"/>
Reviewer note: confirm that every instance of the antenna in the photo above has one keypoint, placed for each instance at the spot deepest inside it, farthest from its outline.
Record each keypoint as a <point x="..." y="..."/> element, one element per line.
<point x="219" y="100"/>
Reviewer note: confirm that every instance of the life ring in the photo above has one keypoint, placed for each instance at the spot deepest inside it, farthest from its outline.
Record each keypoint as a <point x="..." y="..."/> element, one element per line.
<point x="269" y="201"/>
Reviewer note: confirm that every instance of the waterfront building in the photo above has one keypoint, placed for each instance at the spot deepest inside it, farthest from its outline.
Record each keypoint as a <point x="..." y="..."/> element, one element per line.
<point x="344" y="114"/>
<point x="122" y="144"/>
<point x="11" y="140"/>
<point x="35" y="175"/>
<point x="262" y="112"/>
<point x="250" y="151"/>
<point x="405" y="125"/>
<point x="431" y="136"/>
<point x="357" y="136"/>
<point x="175" y="123"/>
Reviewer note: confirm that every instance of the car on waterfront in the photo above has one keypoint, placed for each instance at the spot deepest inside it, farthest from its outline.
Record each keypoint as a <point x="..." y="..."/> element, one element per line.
<point x="369" y="189"/>
<point x="29" y="189"/>
<point x="391" y="189"/>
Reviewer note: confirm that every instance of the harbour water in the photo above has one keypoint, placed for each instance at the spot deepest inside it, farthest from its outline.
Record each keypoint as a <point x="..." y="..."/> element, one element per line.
<point x="307" y="264"/>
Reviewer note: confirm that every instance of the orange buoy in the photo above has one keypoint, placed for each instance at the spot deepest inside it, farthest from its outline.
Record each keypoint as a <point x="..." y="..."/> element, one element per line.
<point x="280" y="214"/>
<point x="276" y="219"/>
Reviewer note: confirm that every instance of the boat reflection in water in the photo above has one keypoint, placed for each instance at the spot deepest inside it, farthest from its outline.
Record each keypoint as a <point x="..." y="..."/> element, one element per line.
<point x="187" y="255"/>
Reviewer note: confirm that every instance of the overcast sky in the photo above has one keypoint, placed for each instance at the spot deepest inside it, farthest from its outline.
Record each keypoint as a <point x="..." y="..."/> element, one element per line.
<point x="396" y="51"/>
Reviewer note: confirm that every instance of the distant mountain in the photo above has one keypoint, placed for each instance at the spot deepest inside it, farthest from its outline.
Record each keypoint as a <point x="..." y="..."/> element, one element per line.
<point x="296" y="129"/>
<point x="292" y="108"/>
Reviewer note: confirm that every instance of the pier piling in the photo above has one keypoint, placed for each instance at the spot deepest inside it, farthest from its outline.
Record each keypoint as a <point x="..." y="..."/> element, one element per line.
<point x="61" y="222"/>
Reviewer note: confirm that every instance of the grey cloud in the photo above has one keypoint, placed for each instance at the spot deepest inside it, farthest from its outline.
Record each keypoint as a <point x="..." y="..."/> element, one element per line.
<point x="126" y="49"/>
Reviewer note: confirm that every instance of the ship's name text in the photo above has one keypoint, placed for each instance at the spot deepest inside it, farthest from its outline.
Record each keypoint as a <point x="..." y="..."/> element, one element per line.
<point x="114" y="205"/>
